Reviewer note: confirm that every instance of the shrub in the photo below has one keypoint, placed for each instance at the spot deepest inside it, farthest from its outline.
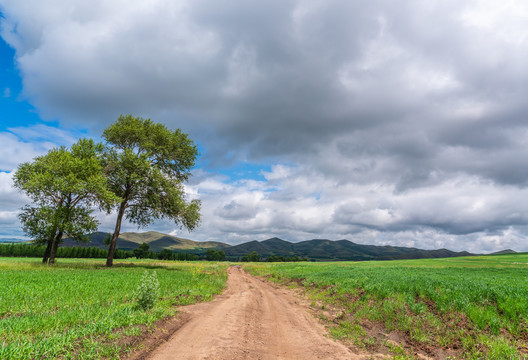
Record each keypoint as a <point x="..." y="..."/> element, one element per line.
<point x="148" y="291"/>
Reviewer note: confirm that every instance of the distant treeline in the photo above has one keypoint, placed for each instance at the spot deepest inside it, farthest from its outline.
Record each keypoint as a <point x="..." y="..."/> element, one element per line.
<point x="278" y="258"/>
<point x="28" y="250"/>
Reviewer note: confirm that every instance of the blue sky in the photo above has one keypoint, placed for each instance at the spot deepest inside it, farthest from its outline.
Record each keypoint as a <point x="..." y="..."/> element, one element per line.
<point x="15" y="111"/>
<point x="382" y="124"/>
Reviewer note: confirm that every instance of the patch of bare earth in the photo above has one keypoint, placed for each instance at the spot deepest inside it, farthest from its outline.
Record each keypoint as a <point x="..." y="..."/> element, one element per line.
<point x="252" y="319"/>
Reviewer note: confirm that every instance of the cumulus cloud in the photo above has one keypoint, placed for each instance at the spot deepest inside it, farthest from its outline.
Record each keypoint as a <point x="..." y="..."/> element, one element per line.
<point x="296" y="204"/>
<point x="387" y="121"/>
<point x="23" y="143"/>
<point x="10" y="203"/>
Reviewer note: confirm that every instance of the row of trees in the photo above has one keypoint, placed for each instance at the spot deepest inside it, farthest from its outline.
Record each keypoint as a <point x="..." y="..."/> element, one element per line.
<point x="254" y="257"/>
<point x="24" y="250"/>
<point x="142" y="252"/>
<point x="138" y="172"/>
<point x="215" y="255"/>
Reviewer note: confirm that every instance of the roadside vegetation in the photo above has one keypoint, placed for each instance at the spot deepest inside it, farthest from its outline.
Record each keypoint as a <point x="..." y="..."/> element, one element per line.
<point x="464" y="308"/>
<point x="80" y="309"/>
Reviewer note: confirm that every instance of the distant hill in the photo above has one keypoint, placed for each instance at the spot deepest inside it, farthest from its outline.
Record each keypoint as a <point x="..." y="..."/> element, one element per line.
<point x="157" y="242"/>
<point x="317" y="249"/>
<point x="322" y="249"/>
<point x="504" y="252"/>
<point x="13" y="240"/>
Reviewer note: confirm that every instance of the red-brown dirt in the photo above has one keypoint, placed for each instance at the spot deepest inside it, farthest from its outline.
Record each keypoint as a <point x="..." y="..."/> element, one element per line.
<point x="250" y="320"/>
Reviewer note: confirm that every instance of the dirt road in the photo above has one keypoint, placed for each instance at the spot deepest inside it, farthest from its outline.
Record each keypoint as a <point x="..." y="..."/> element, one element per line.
<point x="251" y="320"/>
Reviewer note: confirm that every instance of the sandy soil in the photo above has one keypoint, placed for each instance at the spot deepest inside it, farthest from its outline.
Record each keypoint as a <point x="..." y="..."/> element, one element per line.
<point x="250" y="320"/>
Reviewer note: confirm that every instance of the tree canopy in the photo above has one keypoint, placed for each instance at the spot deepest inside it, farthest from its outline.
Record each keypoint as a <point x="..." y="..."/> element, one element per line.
<point x="64" y="185"/>
<point x="146" y="166"/>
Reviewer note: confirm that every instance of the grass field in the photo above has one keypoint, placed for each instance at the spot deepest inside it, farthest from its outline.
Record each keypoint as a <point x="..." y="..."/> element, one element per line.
<point x="464" y="308"/>
<point x="80" y="309"/>
<point x="469" y="308"/>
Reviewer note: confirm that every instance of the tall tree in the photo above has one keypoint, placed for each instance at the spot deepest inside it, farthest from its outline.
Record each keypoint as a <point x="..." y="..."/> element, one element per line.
<point x="64" y="184"/>
<point x="147" y="165"/>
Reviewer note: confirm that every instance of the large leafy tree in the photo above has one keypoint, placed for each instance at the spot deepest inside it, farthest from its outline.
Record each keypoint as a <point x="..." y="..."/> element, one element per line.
<point x="64" y="185"/>
<point x="146" y="165"/>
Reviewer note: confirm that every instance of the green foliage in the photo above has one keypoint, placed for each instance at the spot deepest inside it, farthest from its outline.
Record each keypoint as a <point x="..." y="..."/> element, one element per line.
<point x="147" y="291"/>
<point x="252" y="257"/>
<point x="142" y="251"/>
<point x="215" y="255"/>
<point x="64" y="185"/>
<point x="165" y="254"/>
<point x="276" y="258"/>
<point x="146" y="165"/>
<point x="26" y="250"/>
<point x="77" y="318"/>
<point x="21" y="250"/>
<point x="476" y="304"/>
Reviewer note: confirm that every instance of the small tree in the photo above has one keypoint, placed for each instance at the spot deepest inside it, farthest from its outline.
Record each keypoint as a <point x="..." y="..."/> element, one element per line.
<point x="210" y="254"/>
<point x="253" y="257"/>
<point x="142" y="251"/>
<point x="220" y="255"/>
<point x="215" y="255"/>
<point x="64" y="184"/>
<point x="165" y="254"/>
<point x="147" y="165"/>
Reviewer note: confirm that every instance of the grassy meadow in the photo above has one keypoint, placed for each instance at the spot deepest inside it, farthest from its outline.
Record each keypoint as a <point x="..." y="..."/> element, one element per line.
<point x="79" y="309"/>
<point x="464" y="308"/>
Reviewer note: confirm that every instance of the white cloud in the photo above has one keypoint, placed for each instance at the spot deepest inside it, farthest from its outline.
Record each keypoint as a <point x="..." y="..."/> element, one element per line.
<point x="397" y="123"/>
<point x="10" y="203"/>
<point x="21" y="144"/>
<point x="48" y="135"/>
<point x="14" y="151"/>
<point x="459" y="214"/>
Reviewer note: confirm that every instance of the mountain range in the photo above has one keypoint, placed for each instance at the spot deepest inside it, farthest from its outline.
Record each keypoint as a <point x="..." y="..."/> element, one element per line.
<point x="317" y="249"/>
<point x="322" y="249"/>
<point x="156" y="240"/>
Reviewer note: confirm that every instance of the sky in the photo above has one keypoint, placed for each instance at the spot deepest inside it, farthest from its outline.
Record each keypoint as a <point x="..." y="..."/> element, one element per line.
<point x="381" y="122"/>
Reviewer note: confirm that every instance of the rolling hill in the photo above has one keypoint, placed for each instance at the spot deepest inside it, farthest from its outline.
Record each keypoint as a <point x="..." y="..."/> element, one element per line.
<point x="157" y="242"/>
<point x="317" y="249"/>
<point x="322" y="249"/>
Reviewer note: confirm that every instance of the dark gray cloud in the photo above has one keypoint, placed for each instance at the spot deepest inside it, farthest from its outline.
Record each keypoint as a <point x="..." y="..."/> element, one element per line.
<point x="391" y="113"/>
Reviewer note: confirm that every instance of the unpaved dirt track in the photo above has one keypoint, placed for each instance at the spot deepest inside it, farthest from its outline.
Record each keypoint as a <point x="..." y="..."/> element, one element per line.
<point x="251" y="320"/>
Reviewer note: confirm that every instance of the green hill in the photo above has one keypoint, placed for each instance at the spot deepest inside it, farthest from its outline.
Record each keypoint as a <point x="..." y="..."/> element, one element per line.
<point x="157" y="242"/>
<point x="504" y="252"/>
<point x="317" y="249"/>
<point x="322" y="249"/>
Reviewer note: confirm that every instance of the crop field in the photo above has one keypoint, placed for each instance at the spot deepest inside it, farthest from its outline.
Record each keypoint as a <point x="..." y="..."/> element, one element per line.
<point x="464" y="308"/>
<point x="81" y="309"/>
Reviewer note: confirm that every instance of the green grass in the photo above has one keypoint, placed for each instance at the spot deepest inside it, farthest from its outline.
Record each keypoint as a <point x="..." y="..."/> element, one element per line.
<point x="79" y="308"/>
<point x="475" y="307"/>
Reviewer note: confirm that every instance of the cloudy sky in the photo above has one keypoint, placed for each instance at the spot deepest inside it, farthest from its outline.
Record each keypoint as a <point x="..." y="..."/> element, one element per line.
<point x="381" y="122"/>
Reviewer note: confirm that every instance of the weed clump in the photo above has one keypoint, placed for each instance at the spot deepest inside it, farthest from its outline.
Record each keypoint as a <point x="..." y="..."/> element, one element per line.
<point x="147" y="292"/>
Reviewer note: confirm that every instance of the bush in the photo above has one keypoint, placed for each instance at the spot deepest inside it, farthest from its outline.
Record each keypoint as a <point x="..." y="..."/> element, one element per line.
<point x="148" y="291"/>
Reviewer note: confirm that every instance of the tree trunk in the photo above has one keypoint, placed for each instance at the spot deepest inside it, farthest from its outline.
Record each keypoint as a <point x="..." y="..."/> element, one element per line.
<point x="54" y="248"/>
<point x="113" y="242"/>
<point x="48" y="250"/>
